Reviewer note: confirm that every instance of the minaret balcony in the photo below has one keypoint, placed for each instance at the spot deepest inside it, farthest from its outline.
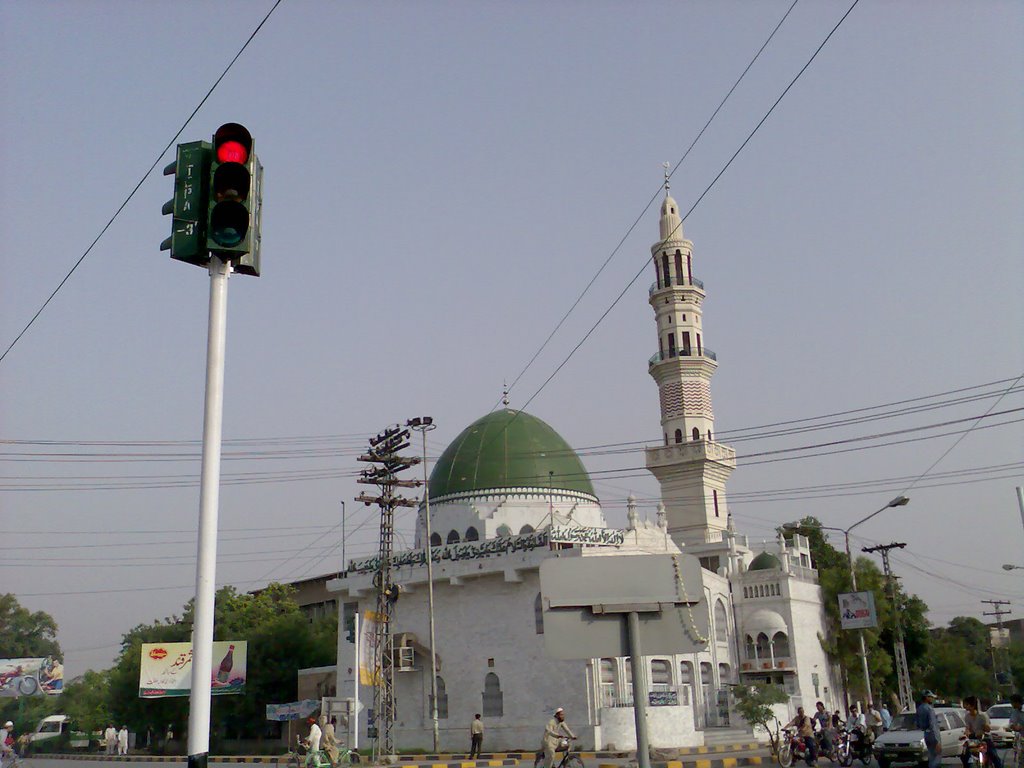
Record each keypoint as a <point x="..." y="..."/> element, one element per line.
<point x="678" y="282"/>
<point x="660" y="357"/>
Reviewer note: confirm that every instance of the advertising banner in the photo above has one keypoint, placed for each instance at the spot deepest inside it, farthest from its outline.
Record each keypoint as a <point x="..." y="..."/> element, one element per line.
<point x="857" y="610"/>
<point x="166" y="669"/>
<point x="369" y="658"/>
<point x="294" y="710"/>
<point x="29" y="677"/>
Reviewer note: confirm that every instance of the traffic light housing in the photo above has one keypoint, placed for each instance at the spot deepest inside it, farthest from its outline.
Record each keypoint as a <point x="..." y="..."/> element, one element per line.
<point x="235" y="199"/>
<point x="188" y="207"/>
<point x="349" y="620"/>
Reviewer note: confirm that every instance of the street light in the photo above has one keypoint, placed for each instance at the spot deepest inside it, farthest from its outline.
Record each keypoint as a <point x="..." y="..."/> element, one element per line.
<point x="424" y="424"/>
<point x="899" y="501"/>
<point x="1009" y="567"/>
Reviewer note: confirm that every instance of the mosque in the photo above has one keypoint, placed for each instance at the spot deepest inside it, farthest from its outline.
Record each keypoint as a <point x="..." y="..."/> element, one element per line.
<point x="509" y="493"/>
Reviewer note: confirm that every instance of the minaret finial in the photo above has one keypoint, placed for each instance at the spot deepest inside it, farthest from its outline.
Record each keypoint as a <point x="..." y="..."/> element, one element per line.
<point x="504" y="393"/>
<point x="666" y="165"/>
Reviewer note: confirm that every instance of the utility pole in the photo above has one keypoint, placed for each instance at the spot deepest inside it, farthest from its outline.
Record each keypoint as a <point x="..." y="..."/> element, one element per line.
<point x="902" y="668"/>
<point x="998" y="669"/>
<point x="383" y="453"/>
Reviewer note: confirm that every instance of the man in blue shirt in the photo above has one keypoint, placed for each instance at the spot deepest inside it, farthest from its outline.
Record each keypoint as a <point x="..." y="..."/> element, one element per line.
<point x="929" y="723"/>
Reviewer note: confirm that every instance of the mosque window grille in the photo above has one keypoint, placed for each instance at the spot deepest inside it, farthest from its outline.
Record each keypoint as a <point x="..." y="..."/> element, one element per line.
<point x="493" y="698"/>
<point x="721" y="623"/>
<point x="472" y="534"/>
<point x="435" y="539"/>
<point x="661" y="675"/>
<point x="503" y="531"/>
<point x="442" y="699"/>
<point x="538" y="615"/>
<point x="526" y="529"/>
<point x="453" y="537"/>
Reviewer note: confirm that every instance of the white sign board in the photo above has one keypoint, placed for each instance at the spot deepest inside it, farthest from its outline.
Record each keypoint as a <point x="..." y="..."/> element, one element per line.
<point x="857" y="610"/>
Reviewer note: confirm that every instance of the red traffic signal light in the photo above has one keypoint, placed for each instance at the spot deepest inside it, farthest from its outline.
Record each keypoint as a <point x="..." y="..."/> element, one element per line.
<point x="229" y="188"/>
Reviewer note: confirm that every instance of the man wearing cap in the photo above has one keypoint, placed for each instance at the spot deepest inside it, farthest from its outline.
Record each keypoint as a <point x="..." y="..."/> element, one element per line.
<point x="7" y="740"/>
<point x="554" y="732"/>
<point x="929" y="723"/>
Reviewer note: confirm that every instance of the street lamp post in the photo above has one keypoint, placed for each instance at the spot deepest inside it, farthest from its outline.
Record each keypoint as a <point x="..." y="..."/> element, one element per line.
<point x="1011" y="567"/>
<point x="899" y="501"/>
<point x="424" y="424"/>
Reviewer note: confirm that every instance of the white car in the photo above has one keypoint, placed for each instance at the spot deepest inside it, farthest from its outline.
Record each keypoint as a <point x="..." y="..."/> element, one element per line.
<point x="999" y="716"/>
<point x="903" y="743"/>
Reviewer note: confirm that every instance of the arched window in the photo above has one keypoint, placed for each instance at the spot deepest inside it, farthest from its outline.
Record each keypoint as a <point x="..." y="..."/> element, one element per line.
<point x="472" y="534"/>
<point x="661" y="675"/>
<point x="679" y="435"/>
<point x="781" y="644"/>
<point x="435" y="539"/>
<point x="453" y="537"/>
<point x="750" y="648"/>
<point x="442" y="699"/>
<point x="763" y="651"/>
<point x="665" y="274"/>
<point x="709" y="435"/>
<point x="504" y="531"/>
<point x="609" y="679"/>
<point x="538" y="615"/>
<point x="696" y="434"/>
<point x="723" y="673"/>
<point x="706" y="678"/>
<point x="493" y="705"/>
<point x="679" y="268"/>
<point x="526" y="529"/>
<point x="721" y="623"/>
<point x="685" y="682"/>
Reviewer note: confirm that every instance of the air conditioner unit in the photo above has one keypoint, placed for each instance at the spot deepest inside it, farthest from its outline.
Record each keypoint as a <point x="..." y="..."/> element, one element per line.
<point x="404" y="659"/>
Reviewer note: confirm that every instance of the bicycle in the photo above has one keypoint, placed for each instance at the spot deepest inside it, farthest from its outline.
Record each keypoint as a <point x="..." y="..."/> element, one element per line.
<point x="570" y="759"/>
<point x="296" y="758"/>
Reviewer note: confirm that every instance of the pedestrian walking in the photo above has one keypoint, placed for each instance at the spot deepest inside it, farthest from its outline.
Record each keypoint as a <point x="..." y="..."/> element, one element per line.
<point x="122" y="740"/>
<point x="476" y="736"/>
<point x="886" y="717"/>
<point x="875" y="721"/>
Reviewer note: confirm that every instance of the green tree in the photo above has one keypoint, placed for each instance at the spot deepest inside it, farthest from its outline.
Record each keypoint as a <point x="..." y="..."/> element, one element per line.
<point x="754" y="704"/>
<point x="24" y="633"/>
<point x="951" y="670"/>
<point x="281" y="640"/>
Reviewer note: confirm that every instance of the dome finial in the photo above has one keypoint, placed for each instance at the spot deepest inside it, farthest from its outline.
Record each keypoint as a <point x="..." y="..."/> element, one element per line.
<point x="668" y="175"/>
<point x="504" y="393"/>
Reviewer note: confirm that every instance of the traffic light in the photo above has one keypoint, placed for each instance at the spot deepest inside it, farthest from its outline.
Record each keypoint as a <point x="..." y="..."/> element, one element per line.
<point x="349" y="620"/>
<point x="235" y="199"/>
<point x="191" y="171"/>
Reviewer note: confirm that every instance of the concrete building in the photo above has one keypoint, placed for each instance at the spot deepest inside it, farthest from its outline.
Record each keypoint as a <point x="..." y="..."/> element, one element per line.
<point x="509" y="492"/>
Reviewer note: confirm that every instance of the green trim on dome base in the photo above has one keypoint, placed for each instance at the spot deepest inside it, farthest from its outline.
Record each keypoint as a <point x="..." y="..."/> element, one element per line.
<point x="508" y="450"/>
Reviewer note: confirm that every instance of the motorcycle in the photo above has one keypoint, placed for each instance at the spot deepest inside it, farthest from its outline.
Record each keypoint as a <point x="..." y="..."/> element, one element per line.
<point x="860" y="747"/>
<point x="842" y="751"/>
<point x="792" y="748"/>
<point x="977" y="751"/>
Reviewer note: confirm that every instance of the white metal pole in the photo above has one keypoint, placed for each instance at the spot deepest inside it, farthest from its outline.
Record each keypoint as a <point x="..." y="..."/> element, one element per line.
<point x="209" y="499"/>
<point x="354" y="715"/>
<point x="430" y="594"/>
<point x="860" y="632"/>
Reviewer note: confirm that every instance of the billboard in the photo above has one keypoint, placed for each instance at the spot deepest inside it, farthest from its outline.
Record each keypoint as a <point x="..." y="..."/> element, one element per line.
<point x="369" y="657"/>
<point x="166" y="669"/>
<point x="857" y="610"/>
<point x="29" y="677"/>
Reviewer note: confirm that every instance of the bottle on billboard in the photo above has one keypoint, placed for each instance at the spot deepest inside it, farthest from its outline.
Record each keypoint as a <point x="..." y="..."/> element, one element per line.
<point x="225" y="666"/>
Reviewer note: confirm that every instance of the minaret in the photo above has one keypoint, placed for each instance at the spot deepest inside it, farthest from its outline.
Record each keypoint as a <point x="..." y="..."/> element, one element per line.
<point x="690" y="466"/>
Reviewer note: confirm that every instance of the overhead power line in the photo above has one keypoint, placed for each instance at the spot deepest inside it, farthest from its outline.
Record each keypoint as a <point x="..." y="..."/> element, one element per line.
<point x="141" y="182"/>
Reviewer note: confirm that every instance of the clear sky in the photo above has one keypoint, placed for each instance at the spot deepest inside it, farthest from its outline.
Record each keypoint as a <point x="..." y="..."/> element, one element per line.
<point x="442" y="181"/>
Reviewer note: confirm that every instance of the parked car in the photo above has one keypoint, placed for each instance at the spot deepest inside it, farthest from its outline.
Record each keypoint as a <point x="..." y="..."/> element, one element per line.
<point x="999" y="715"/>
<point x="903" y="743"/>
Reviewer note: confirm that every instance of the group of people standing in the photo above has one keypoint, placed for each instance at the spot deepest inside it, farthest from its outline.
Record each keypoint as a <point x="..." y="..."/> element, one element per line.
<point x="115" y="740"/>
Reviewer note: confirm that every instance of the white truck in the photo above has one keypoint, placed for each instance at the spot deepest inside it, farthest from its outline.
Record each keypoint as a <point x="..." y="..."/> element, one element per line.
<point x="52" y="726"/>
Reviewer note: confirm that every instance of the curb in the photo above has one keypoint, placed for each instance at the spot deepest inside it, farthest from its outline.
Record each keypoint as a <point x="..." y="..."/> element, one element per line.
<point x="714" y="762"/>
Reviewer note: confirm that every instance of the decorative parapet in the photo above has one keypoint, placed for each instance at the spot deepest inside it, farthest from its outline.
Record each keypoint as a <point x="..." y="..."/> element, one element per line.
<point x="475" y="550"/>
<point x="692" y="450"/>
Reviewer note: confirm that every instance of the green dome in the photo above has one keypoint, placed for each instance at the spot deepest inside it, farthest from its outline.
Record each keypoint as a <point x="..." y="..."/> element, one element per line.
<point x="764" y="562"/>
<point x="508" y="449"/>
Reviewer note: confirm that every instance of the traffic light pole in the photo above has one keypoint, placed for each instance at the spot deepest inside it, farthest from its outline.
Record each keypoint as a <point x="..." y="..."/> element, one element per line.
<point x="209" y="500"/>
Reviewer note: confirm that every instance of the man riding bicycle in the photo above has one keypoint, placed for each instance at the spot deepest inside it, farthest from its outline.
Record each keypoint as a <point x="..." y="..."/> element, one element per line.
<point x="554" y="732"/>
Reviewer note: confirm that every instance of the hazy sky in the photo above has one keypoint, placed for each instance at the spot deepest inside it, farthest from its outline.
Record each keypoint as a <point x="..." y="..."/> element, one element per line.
<point x="442" y="181"/>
